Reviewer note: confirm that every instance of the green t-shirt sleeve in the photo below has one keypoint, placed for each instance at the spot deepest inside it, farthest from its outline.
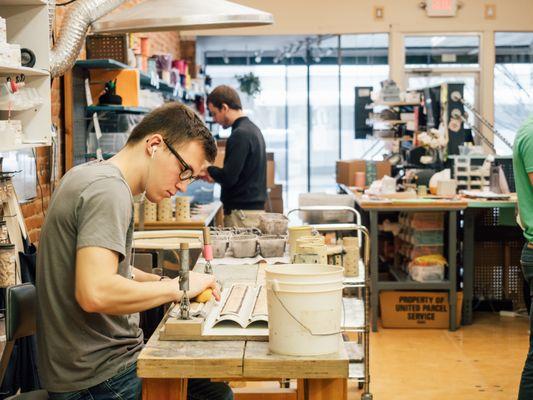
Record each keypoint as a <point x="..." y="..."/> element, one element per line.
<point x="104" y="215"/>
<point x="526" y="152"/>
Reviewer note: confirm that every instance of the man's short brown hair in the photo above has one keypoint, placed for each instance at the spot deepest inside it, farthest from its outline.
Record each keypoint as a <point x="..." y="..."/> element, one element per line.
<point x="224" y="95"/>
<point x="178" y="124"/>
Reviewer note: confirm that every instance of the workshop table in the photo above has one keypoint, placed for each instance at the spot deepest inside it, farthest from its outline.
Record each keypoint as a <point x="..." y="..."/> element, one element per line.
<point x="403" y="281"/>
<point x="165" y="366"/>
<point x="469" y="228"/>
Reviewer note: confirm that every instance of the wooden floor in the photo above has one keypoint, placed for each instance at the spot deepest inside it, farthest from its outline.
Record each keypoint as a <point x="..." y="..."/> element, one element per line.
<point x="480" y="361"/>
<point x="477" y="362"/>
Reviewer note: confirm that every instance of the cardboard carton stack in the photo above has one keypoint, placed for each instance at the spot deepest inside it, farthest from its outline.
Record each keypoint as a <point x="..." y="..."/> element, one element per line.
<point x="346" y="170"/>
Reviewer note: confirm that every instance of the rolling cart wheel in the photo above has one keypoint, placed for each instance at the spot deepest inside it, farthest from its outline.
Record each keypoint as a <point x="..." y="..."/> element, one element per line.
<point x="366" y="396"/>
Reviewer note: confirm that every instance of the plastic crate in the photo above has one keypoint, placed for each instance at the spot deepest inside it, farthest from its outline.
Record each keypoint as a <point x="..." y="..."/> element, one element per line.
<point x="114" y="47"/>
<point x="427" y="237"/>
<point x="417" y="251"/>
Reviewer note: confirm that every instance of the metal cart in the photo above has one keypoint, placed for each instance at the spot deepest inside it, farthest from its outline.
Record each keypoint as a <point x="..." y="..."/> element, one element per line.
<point x="356" y="310"/>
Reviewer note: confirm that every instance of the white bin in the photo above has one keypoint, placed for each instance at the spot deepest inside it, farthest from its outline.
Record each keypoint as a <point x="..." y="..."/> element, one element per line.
<point x="304" y="308"/>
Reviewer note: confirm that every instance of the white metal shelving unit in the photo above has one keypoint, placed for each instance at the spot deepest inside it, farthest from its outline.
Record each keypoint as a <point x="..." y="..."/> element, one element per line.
<point x="356" y="310"/>
<point x="28" y="25"/>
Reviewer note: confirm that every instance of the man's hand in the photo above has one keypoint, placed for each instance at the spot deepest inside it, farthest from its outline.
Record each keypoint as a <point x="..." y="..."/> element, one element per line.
<point x="198" y="282"/>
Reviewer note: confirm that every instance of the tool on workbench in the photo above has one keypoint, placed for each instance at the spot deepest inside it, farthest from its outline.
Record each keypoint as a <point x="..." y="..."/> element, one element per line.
<point x="208" y="251"/>
<point x="184" y="281"/>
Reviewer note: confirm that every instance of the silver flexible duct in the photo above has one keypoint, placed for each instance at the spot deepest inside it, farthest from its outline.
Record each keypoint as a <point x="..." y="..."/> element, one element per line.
<point x="51" y="16"/>
<point x="79" y="16"/>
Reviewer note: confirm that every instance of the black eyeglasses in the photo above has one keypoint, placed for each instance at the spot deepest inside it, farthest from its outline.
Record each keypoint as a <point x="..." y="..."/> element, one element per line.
<point x="186" y="173"/>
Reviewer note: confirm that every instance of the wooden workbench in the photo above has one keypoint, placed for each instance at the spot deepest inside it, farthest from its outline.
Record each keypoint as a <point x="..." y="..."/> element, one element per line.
<point x="165" y="366"/>
<point x="403" y="282"/>
<point x="470" y="208"/>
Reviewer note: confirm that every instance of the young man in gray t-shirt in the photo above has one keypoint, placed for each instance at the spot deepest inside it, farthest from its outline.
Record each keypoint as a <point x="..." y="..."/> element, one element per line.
<point x="88" y="343"/>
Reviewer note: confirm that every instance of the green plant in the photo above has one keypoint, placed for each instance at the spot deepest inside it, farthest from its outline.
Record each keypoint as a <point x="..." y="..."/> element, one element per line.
<point x="249" y="84"/>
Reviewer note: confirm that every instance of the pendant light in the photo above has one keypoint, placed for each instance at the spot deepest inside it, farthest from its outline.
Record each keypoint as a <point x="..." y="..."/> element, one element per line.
<point x="165" y="15"/>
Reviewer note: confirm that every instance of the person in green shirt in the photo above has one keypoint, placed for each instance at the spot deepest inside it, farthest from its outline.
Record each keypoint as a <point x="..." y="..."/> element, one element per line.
<point x="523" y="174"/>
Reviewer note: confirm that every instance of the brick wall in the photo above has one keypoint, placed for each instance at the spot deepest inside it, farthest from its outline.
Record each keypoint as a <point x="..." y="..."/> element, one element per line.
<point x="160" y="42"/>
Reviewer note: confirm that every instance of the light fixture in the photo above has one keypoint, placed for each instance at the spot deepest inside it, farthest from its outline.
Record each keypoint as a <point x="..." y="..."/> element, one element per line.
<point x="165" y="15"/>
<point x="258" y="57"/>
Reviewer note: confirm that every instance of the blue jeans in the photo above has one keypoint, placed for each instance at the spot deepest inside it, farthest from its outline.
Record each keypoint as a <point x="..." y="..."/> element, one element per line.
<point x="123" y="386"/>
<point x="526" y="383"/>
<point x="127" y="386"/>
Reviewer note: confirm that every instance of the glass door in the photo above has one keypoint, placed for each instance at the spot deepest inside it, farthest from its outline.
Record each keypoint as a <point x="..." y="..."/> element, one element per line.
<point x="431" y="60"/>
<point x="423" y="79"/>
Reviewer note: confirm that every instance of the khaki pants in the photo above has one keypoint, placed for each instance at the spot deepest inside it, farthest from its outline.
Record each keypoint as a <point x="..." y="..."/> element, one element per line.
<point x="243" y="218"/>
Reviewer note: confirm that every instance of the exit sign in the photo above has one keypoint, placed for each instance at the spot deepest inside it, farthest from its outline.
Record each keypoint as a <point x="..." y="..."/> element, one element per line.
<point x="441" y="8"/>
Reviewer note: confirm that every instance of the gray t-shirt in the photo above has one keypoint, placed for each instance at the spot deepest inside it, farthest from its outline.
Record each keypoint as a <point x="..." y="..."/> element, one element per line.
<point x="92" y="206"/>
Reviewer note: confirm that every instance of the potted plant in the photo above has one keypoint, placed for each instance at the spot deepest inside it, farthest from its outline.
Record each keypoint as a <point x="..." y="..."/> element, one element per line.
<point x="249" y="84"/>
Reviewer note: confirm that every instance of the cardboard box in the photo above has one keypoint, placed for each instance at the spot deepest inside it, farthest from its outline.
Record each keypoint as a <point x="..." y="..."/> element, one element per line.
<point x="382" y="168"/>
<point x="276" y="192"/>
<point x="401" y="309"/>
<point x="346" y="170"/>
<point x="275" y="201"/>
<point x="275" y="206"/>
<point x="270" y="169"/>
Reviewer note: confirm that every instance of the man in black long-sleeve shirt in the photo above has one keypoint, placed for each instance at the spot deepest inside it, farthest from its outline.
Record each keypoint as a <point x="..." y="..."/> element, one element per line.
<point x="243" y="177"/>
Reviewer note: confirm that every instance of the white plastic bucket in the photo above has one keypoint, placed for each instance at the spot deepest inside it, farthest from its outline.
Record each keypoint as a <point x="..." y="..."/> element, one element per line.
<point x="304" y="308"/>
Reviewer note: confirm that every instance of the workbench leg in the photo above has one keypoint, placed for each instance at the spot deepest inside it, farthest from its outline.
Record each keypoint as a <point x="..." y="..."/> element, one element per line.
<point x="374" y="269"/>
<point x="468" y="266"/>
<point x="164" y="389"/>
<point x="323" y="389"/>
<point x="452" y="267"/>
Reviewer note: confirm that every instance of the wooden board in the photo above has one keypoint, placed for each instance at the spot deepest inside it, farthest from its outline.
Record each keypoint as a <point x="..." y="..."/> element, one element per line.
<point x="323" y="389"/>
<point x="180" y="329"/>
<point x="413" y="204"/>
<point x="190" y="359"/>
<point x="176" y="233"/>
<point x="240" y="334"/>
<point x="259" y="362"/>
<point x="170" y="243"/>
<point x="157" y="389"/>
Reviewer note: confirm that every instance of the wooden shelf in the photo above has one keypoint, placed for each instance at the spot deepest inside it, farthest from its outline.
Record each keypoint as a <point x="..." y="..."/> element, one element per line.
<point x="392" y="121"/>
<point x="22" y="146"/>
<point x="394" y="104"/>
<point x="28" y="25"/>
<point x="7" y="70"/>
<point x="118" y="109"/>
<point x="22" y="2"/>
<point x="145" y="79"/>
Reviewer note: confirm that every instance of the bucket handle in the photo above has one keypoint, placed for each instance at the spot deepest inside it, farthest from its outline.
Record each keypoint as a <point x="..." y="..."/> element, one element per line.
<point x="275" y="289"/>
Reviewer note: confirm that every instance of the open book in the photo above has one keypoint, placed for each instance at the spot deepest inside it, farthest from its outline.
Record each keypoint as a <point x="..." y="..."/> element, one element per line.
<point x="242" y="304"/>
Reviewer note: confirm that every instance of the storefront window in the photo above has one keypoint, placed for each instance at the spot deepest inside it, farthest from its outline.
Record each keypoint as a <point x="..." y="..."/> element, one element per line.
<point x="306" y="106"/>
<point x="513" y="85"/>
<point x="441" y="51"/>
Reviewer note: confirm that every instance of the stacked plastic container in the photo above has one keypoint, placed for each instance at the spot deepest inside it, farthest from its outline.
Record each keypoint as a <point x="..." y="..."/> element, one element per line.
<point x="421" y="234"/>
